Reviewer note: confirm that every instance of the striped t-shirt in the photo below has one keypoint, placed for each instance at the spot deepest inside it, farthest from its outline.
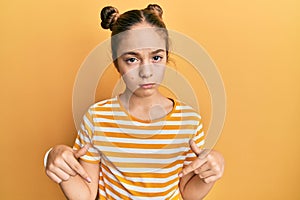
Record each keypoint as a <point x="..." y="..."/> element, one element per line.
<point x="139" y="159"/>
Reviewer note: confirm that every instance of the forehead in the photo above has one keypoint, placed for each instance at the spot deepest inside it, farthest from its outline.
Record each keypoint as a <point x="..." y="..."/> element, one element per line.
<point x="142" y="38"/>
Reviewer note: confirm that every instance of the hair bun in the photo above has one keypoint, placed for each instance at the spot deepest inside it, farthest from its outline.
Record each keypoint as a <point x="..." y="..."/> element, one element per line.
<point x="155" y="9"/>
<point x="109" y="16"/>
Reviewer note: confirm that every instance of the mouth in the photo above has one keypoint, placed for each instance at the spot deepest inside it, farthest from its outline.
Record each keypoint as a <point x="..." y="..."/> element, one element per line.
<point x="147" y="85"/>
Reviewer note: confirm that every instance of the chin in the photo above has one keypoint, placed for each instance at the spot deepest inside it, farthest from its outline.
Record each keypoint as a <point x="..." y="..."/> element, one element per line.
<point x="145" y="93"/>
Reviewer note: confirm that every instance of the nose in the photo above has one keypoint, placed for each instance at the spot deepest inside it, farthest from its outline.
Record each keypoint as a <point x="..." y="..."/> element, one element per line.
<point x="145" y="71"/>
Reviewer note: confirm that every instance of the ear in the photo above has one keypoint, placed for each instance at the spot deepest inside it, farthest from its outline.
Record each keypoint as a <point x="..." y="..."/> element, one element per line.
<point x="116" y="64"/>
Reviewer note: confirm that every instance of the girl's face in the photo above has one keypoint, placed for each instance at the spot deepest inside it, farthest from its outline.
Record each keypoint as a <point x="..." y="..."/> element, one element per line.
<point x="141" y="60"/>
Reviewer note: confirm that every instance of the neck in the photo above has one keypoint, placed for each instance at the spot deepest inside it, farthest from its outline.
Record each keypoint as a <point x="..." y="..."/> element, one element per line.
<point x="150" y="107"/>
<point x="130" y="100"/>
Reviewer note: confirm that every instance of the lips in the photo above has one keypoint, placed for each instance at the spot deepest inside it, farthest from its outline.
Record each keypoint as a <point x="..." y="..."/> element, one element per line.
<point x="147" y="85"/>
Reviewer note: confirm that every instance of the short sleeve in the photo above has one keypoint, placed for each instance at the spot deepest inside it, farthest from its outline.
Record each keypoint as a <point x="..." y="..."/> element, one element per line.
<point x="85" y="136"/>
<point x="199" y="138"/>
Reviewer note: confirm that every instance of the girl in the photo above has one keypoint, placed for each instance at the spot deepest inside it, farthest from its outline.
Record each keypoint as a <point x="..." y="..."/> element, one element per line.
<point x="140" y="144"/>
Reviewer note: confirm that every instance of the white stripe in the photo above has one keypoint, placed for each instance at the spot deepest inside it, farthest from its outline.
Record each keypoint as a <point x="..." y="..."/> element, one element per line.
<point x="109" y="113"/>
<point x="117" y="189"/>
<point x="102" y="193"/>
<point x="152" y="170"/>
<point x="145" y="180"/>
<point x="83" y="138"/>
<point x="88" y="123"/>
<point x="136" y="131"/>
<point x="93" y="149"/>
<point x="146" y="160"/>
<point x="149" y="198"/>
<point x="90" y="158"/>
<point x="187" y="162"/>
<point x="100" y="102"/>
<point x="138" y="150"/>
<point x="201" y="143"/>
<point x="189" y="114"/>
<point x="141" y="140"/>
<point x="136" y="123"/>
<point x="153" y="180"/>
<point x="114" y="195"/>
<point x="101" y="183"/>
<point x="141" y="189"/>
<point x="103" y="102"/>
<point x="199" y="127"/>
<point x="183" y="108"/>
<point x="110" y="106"/>
<point x="149" y="189"/>
<point x="199" y="136"/>
<point x="175" y="193"/>
<point x="190" y="155"/>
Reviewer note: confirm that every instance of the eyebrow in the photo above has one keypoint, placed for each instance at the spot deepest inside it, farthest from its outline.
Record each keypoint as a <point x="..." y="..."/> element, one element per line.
<point x="136" y="53"/>
<point x="158" y="51"/>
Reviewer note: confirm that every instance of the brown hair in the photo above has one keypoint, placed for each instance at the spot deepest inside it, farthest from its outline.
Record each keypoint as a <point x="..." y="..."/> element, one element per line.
<point x="111" y="19"/>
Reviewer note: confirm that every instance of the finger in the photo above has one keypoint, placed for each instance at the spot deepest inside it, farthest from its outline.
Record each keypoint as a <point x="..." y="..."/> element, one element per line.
<point x="60" y="174"/>
<point x="206" y="174"/>
<point x="194" y="147"/>
<point x="213" y="164"/>
<point x="62" y="163"/>
<point x="53" y="177"/>
<point x="192" y="166"/>
<point x="75" y="165"/>
<point x="204" y="167"/>
<point x="204" y="153"/>
<point x="211" y="179"/>
<point x="82" y="151"/>
<point x="66" y="168"/>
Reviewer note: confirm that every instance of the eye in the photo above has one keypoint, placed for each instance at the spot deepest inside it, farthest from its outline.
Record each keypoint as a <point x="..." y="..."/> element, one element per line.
<point x="131" y="60"/>
<point x="157" y="58"/>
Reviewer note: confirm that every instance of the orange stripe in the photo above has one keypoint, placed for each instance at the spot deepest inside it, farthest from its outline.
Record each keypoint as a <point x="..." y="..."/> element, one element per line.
<point x="140" y="146"/>
<point x="142" y="184"/>
<point x="142" y="155"/>
<point x="200" y="139"/>
<point x="132" y="126"/>
<point x="126" y="118"/>
<point x="116" y="184"/>
<point x="148" y="165"/>
<point x="151" y="175"/>
<point x="185" y="118"/>
<point x="136" y="193"/>
<point x="99" y="107"/>
<point x="177" y="197"/>
<point x="147" y="136"/>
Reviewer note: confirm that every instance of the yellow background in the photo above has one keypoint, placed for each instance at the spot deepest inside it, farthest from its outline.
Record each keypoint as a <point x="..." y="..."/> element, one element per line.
<point x="255" y="45"/>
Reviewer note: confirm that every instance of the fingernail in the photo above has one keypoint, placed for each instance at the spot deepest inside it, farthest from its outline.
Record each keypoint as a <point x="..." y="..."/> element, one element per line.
<point x="89" y="179"/>
<point x="180" y="174"/>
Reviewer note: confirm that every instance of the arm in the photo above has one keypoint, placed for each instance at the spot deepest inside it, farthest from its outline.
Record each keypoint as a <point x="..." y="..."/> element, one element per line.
<point x="77" y="188"/>
<point x="199" y="176"/>
<point x="63" y="167"/>
<point x="193" y="187"/>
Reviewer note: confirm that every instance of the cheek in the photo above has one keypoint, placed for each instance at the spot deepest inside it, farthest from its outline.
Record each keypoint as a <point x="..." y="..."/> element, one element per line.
<point x="129" y="77"/>
<point x="160" y="72"/>
<point x="130" y="81"/>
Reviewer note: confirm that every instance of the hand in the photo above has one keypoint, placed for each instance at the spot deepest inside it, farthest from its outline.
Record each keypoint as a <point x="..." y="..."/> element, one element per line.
<point x="63" y="162"/>
<point x="208" y="167"/>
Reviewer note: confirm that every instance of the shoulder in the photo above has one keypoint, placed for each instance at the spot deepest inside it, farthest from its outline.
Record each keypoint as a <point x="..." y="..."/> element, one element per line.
<point x="104" y="105"/>
<point x="185" y="109"/>
<point x="180" y="105"/>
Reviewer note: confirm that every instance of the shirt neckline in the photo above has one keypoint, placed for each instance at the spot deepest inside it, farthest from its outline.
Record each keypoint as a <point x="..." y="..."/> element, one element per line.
<point x="133" y="118"/>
